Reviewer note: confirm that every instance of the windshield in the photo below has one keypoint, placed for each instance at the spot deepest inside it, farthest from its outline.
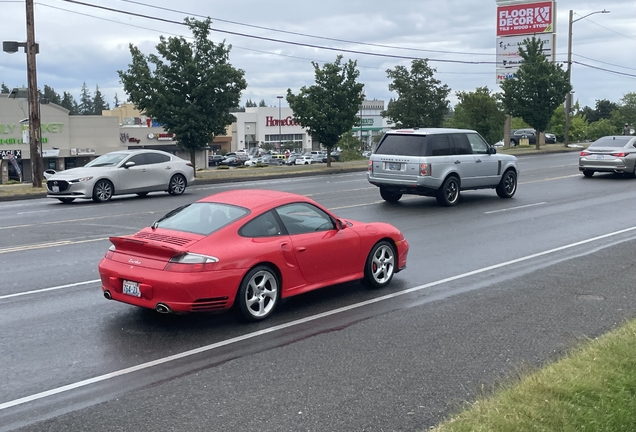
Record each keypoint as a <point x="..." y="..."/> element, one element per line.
<point x="200" y="218"/>
<point x="109" y="159"/>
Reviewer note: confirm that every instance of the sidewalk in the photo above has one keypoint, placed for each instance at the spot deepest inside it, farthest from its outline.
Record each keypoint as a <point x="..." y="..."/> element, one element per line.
<point x="209" y="176"/>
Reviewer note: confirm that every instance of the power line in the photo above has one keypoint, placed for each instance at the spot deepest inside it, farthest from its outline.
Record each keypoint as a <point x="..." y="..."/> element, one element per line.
<point x="599" y="61"/>
<point x="606" y="70"/>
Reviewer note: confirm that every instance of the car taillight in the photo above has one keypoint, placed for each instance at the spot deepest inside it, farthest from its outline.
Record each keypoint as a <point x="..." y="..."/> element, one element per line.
<point x="370" y="165"/>
<point x="191" y="262"/>
<point x="110" y="252"/>
<point x="585" y="153"/>
<point x="619" y="154"/>
<point x="426" y="169"/>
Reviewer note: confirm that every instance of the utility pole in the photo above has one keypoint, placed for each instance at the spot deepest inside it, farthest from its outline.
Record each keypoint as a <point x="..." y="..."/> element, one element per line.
<point x="35" y="141"/>
<point x="568" y="97"/>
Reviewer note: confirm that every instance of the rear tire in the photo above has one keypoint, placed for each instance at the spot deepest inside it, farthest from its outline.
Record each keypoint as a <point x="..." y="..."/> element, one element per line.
<point x="448" y="194"/>
<point x="588" y="173"/>
<point x="103" y="191"/>
<point x="508" y="185"/>
<point x="390" y="196"/>
<point x="258" y="294"/>
<point x="380" y="265"/>
<point x="177" y="185"/>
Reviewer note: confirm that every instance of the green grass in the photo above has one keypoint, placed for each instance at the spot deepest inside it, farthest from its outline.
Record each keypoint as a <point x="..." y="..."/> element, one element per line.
<point x="591" y="389"/>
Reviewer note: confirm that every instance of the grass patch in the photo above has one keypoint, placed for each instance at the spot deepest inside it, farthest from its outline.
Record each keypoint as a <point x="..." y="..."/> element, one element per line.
<point x="591" y="389"/>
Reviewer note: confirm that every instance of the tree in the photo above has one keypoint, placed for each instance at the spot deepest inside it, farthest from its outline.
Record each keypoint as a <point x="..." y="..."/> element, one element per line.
<point x="116" y="101"/>
<point x="421" y="98"/>
<point x="190" y="89"/>
<point x="50" y="94"/>
<point x="250" y="104"/>
<point x="603" y="110"/>
<point x="262" y="103"/>
<point x="482" y="111"/>
<point x="578" y="125"/>
<point x="86" y="101"/>
<point x="4" y="88"/>
<point x="330" y="107"/>
<point x="99" y="104"/>
<point x="68" y="102"/>
<point x="537" y="88"/>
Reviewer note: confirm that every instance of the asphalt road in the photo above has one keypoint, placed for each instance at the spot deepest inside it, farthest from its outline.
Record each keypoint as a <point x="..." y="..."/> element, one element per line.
<point x="493" y="287"/>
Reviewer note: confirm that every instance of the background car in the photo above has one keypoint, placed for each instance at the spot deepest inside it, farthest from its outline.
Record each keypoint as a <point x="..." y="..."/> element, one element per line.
<point x="231" y="161"/>
<point x="214" y="160"/>
<point x="48" y="173"/>
<point x="122" y="172"/>
<point x="609" y="154"/>
<point x="305" y="160"/>
<point x="517" y="134"/>
<point x="247" y="248"/>
<point x="291" y="160"/>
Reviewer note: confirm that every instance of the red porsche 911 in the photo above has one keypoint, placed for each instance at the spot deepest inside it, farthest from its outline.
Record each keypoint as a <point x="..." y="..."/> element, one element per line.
<point x="247" y="248"/>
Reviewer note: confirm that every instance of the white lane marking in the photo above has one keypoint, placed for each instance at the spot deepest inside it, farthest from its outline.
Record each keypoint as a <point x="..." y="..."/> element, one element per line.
<point x="82" y="219"/>
<point x="49" y="289"/>
<point x="515" y="208"/>
<point x="244" y="337"/>
<point x="46" y="245"/>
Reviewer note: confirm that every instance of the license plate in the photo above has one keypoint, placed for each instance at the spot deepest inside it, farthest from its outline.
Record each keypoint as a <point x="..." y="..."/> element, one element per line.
<point x="131" y="288"/>
<point x="395" y="166"/>
<point x="55" y="188"/>
<point x="599" y="157"/>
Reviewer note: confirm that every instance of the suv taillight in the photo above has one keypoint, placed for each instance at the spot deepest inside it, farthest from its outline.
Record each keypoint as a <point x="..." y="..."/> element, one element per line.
<point x="426" y="169"/>
<point x="370" y="165"/>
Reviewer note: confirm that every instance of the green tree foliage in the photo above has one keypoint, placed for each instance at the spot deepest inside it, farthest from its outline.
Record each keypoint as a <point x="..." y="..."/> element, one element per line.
<point x="86" y="101"/>
<point x="421" y="98"/>
<point x="50" y="94"/>
<point x="262" y="103"/>
<point x="601" y="128"/>
<point x="603" y="110"/>
<point x="116" y="101"/>
<point x="626" y="111"/>
<point x="250" y="104"/>
<point x="4" y="88"/>
<point x="538" y="88"/>
<point x="578" y="125"/>
<point x="482" y="111"/>
<point x="99" y="104"/>
<point x="330" y="107"/>
<point x="69" y="102"/>
<point x="190" y="88"/>
<point x="348" y="141"/>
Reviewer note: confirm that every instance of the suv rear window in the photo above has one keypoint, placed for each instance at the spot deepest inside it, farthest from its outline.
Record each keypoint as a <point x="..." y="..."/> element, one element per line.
<point x="611" y="141"/>
<point x="425" y="145"/>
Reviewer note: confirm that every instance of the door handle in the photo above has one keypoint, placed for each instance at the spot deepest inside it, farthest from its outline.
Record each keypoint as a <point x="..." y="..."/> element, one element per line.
<point x="457" y="162"/>
<point x="478" y="161"/>
<point x="301" y="249"/>
<point x="168" y="167"/>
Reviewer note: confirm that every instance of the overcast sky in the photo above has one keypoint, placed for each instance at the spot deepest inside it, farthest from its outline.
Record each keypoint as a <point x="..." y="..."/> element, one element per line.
<point x="81" y="43"/>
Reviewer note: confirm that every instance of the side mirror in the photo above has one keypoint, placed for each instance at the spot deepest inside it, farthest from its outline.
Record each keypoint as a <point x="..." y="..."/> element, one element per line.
<point x="341" y="224"/>
<point x="129" y="164"/>
<point x="492" y="150"/>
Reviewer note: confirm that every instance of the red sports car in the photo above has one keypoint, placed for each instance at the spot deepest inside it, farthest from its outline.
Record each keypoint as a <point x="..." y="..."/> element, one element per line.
<point x="249" y="248"/>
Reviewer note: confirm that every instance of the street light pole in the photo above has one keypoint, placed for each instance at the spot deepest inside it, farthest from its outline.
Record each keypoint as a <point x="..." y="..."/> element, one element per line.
<point x="568" y="98"/>
<point x="279" y="132"/>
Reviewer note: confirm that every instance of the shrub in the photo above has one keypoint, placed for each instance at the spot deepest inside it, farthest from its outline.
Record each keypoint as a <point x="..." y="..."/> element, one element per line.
<point x="222" y="167"/>
<point x="350" y="155"/>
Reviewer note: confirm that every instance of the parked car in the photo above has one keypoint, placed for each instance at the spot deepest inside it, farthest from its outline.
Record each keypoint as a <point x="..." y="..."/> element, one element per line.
<point x="609" y="154"/>
<point x="253" y="161"/>
<point x="439" y="163"/>
<point x="231" y="161"/>
<point x="305" y="160"/>
<point x="518" y="134"/>
<point x="214" y="160"/>
<point x="122" y="172"/>
<point x="291" y="160"/>
<point x="48" y="173"/>
<point x="225" y="250"/>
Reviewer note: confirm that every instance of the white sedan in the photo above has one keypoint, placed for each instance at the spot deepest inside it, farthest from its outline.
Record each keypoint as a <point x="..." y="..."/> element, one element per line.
<point x="122" y="172"/>
<point x="305" y="160"/>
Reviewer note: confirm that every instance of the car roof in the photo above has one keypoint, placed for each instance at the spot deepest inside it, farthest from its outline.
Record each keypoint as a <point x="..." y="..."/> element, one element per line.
<point x="428" y="131"/>
<point x="136" y="151"/>
<point x="254" y="199"/>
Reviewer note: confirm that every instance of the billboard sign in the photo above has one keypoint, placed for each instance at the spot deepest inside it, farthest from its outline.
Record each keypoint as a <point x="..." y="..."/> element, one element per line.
<point x="526" y="18"/>
<point x="508" y="49"/>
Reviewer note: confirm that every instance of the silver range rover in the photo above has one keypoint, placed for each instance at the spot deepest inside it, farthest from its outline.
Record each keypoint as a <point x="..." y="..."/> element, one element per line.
<point x="439" y="163"/>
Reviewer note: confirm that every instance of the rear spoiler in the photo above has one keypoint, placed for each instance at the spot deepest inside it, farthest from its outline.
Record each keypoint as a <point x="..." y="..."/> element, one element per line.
<point x="146" y="248"/>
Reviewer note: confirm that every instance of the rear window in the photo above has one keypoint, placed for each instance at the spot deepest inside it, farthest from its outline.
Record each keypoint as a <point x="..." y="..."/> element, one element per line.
<point x="201" y="218"/>
<point x="611" y="141"/>
<point x="402" y="145"/>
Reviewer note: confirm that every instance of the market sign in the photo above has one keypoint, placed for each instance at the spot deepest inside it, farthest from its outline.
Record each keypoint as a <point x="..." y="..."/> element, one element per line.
<point x="526" y="18"/>
<point x="508" y="49"/>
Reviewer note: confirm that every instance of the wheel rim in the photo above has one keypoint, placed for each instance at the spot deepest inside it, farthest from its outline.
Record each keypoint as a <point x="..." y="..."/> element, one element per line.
<point x="510" y="184"/>
<point x="178" y="184"/>
<point x="103" y="191"/>
<point x="261" y="294"/>
<point x="452" y="191"/>
<point x="382" y="264"/>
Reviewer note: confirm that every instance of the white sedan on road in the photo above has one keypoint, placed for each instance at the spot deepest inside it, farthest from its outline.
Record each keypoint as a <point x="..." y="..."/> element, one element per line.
<point x="122" y="172"/>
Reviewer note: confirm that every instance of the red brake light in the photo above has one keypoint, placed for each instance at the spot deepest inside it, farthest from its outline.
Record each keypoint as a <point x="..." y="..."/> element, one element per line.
<point x="585" y="153"/>
<point x="619" y="154"/>
<point x="190" y="263"/>
<point x="426" y="169"/>
<point x="110" y="252"/>
<point x="370" y="165"/>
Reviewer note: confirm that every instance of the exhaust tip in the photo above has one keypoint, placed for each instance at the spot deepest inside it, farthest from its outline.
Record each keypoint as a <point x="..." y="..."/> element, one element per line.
<point x="107" y="295"/>
<point x="162" y="308"/>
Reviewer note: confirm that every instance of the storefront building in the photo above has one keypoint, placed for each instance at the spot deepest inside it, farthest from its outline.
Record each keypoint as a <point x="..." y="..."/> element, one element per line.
<point x="268" y="125"/>
<point x="372" y="123"/>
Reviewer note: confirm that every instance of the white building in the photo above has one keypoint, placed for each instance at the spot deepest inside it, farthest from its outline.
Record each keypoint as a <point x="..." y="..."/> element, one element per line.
<point x="372" y="123"/>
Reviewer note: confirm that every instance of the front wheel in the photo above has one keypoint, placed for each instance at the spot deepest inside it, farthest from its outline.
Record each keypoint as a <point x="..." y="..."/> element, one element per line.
<point x="258" y="293"/>
<point x="177" y="185"/>
<point x="513" y="143"/>
<point x="588" y="173"/>
<point x="103" y="191"/>
<point x="448" y="193"/>
<point x="380" y="266"/>
<point x="390" y="196"/>
<point x="508" y="185"/>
